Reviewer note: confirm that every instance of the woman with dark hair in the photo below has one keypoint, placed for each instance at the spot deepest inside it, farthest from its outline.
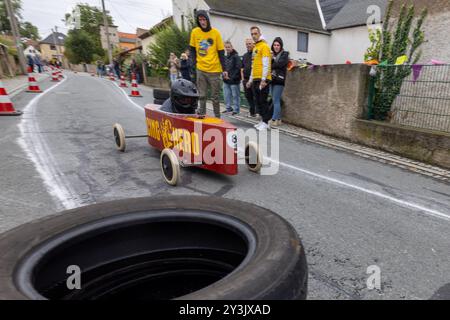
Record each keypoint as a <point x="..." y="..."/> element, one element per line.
<point x="280" y="60"/>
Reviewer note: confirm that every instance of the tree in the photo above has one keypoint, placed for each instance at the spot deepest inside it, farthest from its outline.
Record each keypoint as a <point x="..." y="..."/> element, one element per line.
<point x="90" y="19"/>
<point x="404" y="40"/>
<point x="168" y="39"/>
<point x="5" y="26"/>
<point x="28" y="30"/>
<point x="79" y="47"/>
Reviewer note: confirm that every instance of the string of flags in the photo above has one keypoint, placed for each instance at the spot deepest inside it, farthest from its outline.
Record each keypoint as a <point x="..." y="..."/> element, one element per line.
<point x="402" y="60"/>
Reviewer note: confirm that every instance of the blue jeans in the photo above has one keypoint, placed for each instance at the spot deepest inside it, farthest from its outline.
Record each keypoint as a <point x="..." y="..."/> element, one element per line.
<point x="232" y="95"/>
<point x="173" y="77"/>
<point x="277" y="92"/>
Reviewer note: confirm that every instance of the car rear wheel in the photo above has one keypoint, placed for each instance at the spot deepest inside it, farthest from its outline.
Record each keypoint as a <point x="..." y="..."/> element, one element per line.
<point x="253" y="157"/>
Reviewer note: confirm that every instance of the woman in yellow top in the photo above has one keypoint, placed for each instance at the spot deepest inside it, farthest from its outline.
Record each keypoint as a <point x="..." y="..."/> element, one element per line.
<point x="208" y="55"/>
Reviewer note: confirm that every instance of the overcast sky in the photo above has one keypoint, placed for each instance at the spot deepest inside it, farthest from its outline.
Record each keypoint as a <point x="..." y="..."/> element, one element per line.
<point x="127" y="14"/>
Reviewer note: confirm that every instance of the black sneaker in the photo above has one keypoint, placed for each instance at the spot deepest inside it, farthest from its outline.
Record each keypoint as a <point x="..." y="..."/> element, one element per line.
<point x="234" y="113"/>
<point x="226" y="111"/>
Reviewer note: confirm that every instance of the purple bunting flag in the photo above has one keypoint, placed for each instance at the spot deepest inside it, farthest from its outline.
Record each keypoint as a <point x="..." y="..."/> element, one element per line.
<point x="417" y="69"/>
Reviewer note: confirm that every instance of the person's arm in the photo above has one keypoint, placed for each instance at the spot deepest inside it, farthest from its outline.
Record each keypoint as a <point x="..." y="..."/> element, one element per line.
<point x="193" y="56"/>
<point x="193" y="50"/>
<point x="221" y="51"/>
<point x="266" y="60"/>
<point x="222" y="59"/>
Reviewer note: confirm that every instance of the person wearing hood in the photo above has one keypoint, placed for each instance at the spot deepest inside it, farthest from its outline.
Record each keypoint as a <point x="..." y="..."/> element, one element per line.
<point x="280" y="62"/>
<point x="208" y="55"/>
<point x="231" y="83"/>
<point x="261" y="77"/>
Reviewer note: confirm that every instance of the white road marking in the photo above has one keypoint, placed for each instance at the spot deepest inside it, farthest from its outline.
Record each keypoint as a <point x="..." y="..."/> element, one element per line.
<point x="125" y="95"/>
<point x="37" y="150"/>
<point x="400" y="202"/>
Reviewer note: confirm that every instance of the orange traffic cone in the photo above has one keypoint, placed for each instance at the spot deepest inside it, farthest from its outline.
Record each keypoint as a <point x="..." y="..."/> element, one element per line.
<point x="134" y="87"/>
<point x="111" y="76"/>
<point x="55" y="76"/>
<point x="123" y="84"/>
<point x="60" y="75"/>
<point x="32" y="85"/>
<point x="6" y="106"/>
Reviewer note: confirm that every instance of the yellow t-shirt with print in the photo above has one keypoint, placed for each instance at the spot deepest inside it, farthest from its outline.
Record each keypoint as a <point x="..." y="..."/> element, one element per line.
<point x="207" y="45"/>
<point x="261" y="50"/>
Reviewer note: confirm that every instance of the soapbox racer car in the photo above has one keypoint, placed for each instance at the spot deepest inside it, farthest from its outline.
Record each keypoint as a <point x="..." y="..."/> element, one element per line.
<point x="192" y="140"/>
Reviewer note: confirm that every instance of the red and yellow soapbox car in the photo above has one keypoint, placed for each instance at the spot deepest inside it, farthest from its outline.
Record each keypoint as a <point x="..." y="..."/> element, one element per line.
<point x="192" y="140"/>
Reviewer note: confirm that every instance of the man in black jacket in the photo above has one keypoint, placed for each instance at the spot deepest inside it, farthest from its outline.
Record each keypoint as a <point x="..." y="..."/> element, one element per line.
<point x="246" y="71"/>
<point x="232" y="80"/>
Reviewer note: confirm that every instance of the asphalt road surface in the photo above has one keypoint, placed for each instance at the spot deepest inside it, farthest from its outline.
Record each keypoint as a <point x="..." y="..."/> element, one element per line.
<point x="351" y="213"/>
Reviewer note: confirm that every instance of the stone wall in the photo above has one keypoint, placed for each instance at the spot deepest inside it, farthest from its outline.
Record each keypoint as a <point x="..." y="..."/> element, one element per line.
<point x="333" y="100"/>
<point x="436" y="44"/>
<point x="84" y="68"/>
<point x="157" y="82"/>
<point x="326" y="99"/>
<point x="420" y="144"/>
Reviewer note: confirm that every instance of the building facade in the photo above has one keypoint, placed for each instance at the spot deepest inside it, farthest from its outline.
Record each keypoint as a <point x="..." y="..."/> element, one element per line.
<point x="52" y="48"/>
<point x="113" y="37"/>
<point x="149" y="37"/>
<point x="127" y="41"/>
<point x="319" y="31"/>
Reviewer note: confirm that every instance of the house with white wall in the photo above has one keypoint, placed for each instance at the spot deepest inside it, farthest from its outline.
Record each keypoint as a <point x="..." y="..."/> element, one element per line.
<point x="149" y="37"/>
<point x="31" y="51"/>
<point x="320" y="31"/>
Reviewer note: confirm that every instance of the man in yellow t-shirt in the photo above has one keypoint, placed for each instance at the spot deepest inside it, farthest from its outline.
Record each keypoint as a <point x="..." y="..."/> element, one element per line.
<point x="208" y="55"/>
<point x="260" y="77"/>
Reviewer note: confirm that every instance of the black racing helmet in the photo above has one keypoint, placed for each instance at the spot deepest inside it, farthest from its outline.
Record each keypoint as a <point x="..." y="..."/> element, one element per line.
<point x="184" y="96"/>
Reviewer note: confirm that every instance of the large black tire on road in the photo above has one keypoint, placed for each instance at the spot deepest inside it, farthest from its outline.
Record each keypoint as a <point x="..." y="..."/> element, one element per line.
<point x="161" y="94"/>
<point x="184" y="247"/>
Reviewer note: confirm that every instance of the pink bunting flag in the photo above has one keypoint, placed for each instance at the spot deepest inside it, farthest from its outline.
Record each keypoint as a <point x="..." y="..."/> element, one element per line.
<point x="437" y="62"/>
<point x="417" y="69"/>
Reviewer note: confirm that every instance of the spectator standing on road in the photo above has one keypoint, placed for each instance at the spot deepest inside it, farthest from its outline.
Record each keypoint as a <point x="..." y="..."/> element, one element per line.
<point x="185" y="67"/>
<point x="280" y="62"/>
<point x="116" y="68"/>
<point x="208" y="56"/>
<point x="192" y="70"/>
<point x="99" y="68"/>
<point x="38" y="63"/>
<point x="261" y="76"/>
<point x="232" y="80"/>
<point x="245" y="74"/>
<point x="134" y="68"/>
<point x="174" y="66"/>
<point x="30" y="63"/>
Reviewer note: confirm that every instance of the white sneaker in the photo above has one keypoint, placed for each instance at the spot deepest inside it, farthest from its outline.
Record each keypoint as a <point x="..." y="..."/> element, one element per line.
<point x="262" y="127"/>
<point x="258" y="124"/>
